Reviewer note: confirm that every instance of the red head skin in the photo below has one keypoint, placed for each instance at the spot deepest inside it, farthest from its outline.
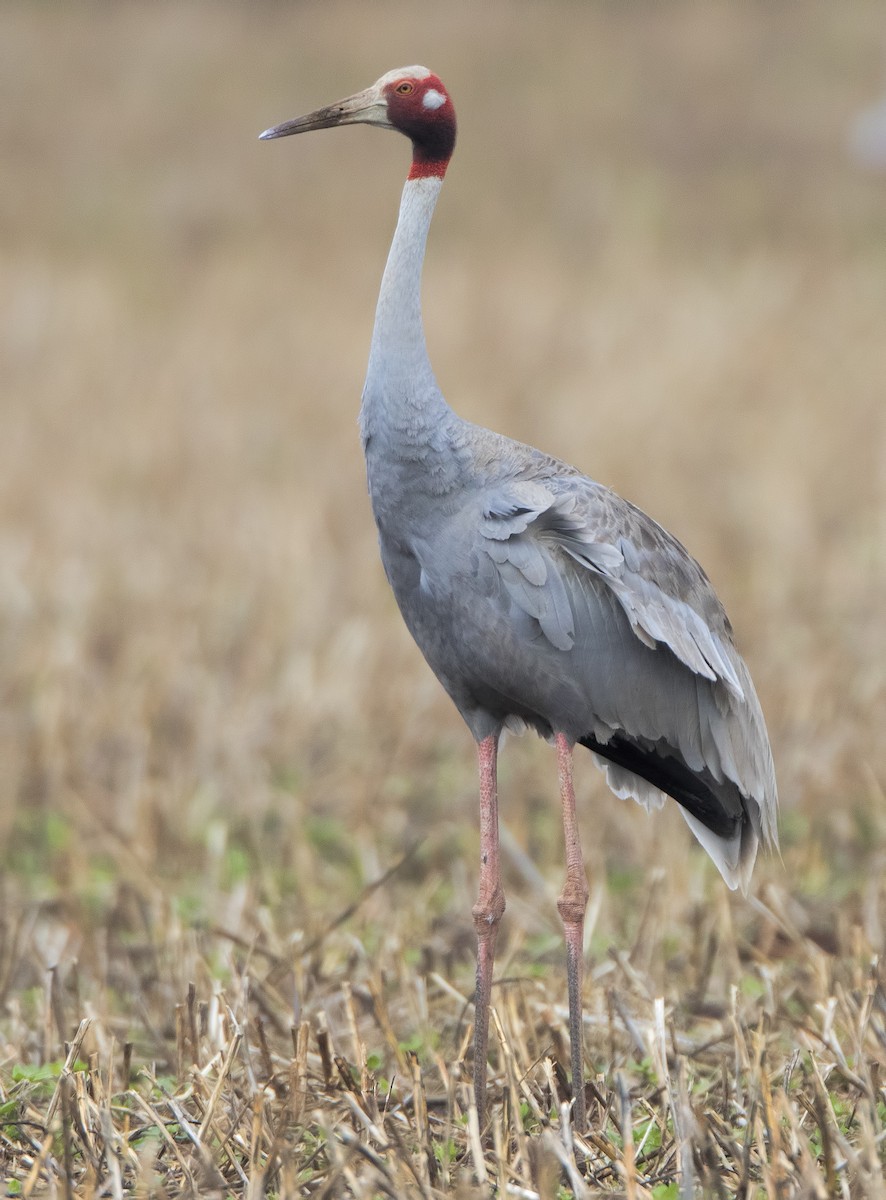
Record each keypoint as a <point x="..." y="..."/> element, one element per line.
<point x="415" y="109"/>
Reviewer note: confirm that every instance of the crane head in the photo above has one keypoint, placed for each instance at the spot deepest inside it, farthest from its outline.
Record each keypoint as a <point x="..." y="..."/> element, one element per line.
<point x="411" y="100"/>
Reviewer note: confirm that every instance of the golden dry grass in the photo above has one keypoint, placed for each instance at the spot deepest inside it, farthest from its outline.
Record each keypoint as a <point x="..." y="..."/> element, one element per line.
<point x="237" y="816"/>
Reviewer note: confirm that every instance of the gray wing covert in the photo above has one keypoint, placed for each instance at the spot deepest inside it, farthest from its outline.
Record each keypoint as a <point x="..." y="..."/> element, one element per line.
<point x="542" y="537"/>
<point x="515" y="525"/>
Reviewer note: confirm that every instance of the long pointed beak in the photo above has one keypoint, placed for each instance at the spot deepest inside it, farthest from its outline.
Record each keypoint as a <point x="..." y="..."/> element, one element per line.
<point x="365" y="108"/>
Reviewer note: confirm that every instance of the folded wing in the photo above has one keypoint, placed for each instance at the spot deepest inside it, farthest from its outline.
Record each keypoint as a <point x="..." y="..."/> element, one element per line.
<point x="671" y="707"/>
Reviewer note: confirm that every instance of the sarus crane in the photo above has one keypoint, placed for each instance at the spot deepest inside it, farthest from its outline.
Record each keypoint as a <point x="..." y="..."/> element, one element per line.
<point x="540" y="598"/>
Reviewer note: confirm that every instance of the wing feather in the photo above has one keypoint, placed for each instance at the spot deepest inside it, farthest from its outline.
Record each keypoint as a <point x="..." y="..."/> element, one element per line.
<point x="572" y="555"/>
<point x="525" y="564"/>
<point x="664" y="593"/>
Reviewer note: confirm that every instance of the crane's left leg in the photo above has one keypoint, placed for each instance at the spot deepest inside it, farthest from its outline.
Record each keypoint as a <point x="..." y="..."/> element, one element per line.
<point x="486" y="912"/>
<point x="572" y="904"/>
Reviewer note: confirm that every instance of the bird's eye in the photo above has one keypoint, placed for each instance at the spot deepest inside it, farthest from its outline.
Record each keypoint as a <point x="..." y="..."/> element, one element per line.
<point x="405" y="88"/>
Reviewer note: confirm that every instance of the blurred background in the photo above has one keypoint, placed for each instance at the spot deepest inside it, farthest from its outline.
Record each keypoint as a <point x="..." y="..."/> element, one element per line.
<point x="657" y="256"/>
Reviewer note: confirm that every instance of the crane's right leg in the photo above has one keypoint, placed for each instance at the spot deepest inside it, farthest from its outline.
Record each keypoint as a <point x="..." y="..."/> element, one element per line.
<point x="487" y="911"/>
<point x="572" y="904"/>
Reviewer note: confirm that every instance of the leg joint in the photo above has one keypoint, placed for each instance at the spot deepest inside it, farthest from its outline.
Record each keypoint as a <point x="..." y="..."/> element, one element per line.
<point x="573" y="899"/>
<point x="487" y="912"/>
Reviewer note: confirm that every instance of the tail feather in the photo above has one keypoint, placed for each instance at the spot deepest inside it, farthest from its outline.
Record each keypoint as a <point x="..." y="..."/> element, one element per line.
<point x="725" y="822"/>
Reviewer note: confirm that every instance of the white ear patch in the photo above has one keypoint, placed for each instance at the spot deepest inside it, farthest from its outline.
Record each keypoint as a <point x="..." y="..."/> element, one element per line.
<point x="433" y="99"/>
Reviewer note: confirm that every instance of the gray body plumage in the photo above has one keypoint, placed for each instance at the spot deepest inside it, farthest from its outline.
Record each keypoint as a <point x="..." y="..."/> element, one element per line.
<point x="541" y="598"/>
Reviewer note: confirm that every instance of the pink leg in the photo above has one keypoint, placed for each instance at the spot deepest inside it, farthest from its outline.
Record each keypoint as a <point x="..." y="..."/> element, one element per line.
<point x="487" y="911"/>
<point x="571" y="905"/>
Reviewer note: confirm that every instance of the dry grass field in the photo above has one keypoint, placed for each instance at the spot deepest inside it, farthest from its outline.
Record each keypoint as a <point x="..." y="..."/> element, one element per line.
<point x="237" y="815"/>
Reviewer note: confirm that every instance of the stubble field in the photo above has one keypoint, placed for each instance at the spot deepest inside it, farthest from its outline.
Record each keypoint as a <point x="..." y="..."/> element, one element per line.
<point x="237" y="814"/>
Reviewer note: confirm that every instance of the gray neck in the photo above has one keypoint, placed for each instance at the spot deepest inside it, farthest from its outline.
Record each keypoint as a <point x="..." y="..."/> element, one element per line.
<point x="402" y="404"/>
